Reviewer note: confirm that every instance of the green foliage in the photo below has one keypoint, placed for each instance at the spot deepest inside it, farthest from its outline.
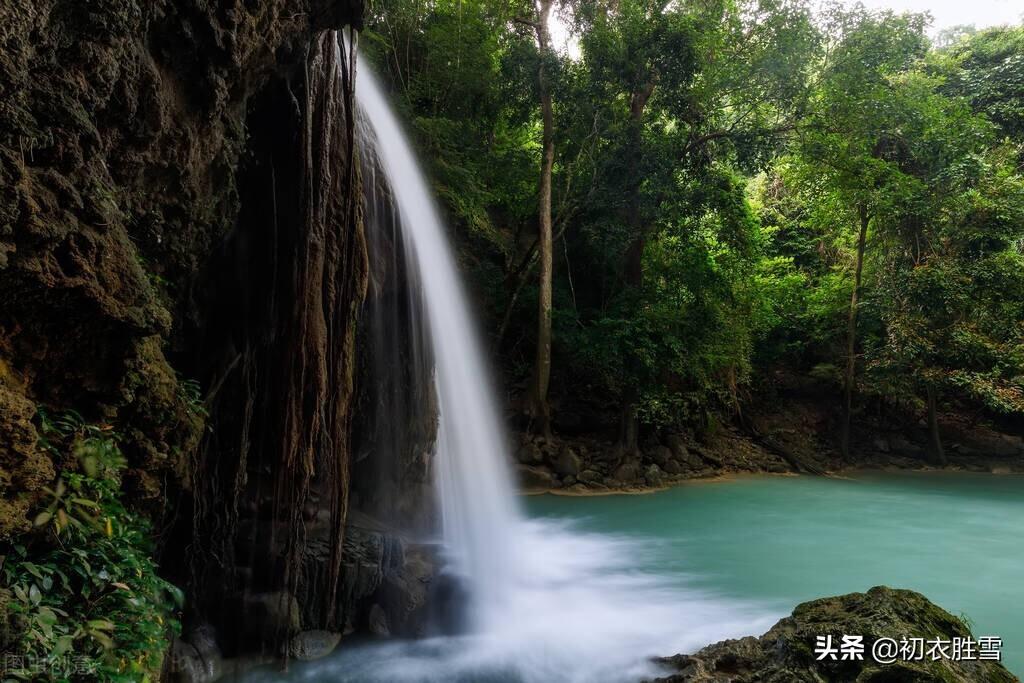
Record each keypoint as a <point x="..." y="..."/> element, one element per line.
<point x="191" y="394"/>
<point x="86" y="600"/>
<point x="987" y="67"/>
<point x="713" y="160"/>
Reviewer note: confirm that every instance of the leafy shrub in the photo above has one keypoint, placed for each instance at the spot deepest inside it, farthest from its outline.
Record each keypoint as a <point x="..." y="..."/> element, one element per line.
<point x="85" y="601"/>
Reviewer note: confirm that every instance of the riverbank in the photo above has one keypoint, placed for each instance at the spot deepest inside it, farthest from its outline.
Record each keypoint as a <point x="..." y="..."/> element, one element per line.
<point x="790" y="427"/>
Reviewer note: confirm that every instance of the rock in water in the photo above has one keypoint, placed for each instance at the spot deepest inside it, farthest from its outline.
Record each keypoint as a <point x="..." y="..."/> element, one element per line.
<point x="787" y="651"/>
<point x="310" y="645"/>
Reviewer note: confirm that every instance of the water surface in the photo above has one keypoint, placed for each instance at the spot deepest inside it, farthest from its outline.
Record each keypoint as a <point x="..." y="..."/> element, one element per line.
<point x="956" y="537"/>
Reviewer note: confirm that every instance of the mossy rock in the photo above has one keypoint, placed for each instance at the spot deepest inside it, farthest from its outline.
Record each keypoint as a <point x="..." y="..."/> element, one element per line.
<point x="786" y="653"/>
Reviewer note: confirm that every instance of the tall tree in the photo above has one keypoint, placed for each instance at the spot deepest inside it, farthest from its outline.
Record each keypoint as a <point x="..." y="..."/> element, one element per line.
<point x="851" y="328"/>
<point x="537" y="407"/>
<point x="846" y="148"/>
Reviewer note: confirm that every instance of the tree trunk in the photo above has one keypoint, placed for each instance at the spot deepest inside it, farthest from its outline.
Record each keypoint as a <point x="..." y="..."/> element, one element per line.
<point x="538" y="408"/>
<point x="851" y="335"/>
<point x="633" y="274"/>
<point x="935" y="442"/>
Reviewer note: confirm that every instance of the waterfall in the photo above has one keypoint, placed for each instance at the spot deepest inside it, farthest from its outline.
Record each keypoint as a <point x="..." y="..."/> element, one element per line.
<point x="471" y="466"/>
<point x="547" y="601"/>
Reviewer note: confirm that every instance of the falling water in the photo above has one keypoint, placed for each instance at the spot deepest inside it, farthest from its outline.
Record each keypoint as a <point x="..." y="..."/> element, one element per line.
<point x="547" y="602"/>
<point x="472" y="475"/>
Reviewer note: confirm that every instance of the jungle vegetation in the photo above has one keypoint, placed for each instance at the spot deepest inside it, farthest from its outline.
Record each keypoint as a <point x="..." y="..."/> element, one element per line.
<point x="661" y="200"/>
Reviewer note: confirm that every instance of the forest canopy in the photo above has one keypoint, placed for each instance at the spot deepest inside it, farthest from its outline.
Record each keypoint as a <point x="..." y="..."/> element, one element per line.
<point x="734" y="186"/>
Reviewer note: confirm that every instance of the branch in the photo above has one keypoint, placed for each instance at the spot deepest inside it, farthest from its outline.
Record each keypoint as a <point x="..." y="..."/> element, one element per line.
<point x="526" y="22"/>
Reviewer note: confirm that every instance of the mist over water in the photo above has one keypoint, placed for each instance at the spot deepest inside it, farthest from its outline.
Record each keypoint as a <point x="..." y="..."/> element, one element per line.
<point x="581" y="612"/>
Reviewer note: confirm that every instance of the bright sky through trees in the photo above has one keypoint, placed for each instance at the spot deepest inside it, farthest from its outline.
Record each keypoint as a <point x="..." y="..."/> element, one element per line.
<point x="948" y="13"/>
<point x="945" y="14"/>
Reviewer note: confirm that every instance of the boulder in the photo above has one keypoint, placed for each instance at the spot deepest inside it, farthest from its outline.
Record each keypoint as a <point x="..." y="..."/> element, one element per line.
<point x="184" y="665"/>
<point x="203" y="637"/>
<point x="377" y="622"/>
<point x="904" y="446"/>
<point x="881" y="445"/>
<point x="995" y="445"/>
<point x="309" y="645"/>
<point x="676" y="444"/>
<point x="653" y="476"/>
<point x="660" y="455"/>
<point x="529" y="454"/>
<point x="589" y="477"/>
<point x="535" y="478"/>
<point x="567" y="464"/>
<point x="787" y="651"/>
<point x="686" y="458"/>
<point x="673" y="468"/>
<point x="627" y="472"/>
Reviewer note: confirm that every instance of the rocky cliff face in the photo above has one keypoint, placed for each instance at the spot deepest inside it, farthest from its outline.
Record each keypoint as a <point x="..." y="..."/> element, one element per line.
<point x="123" y="137"/>
<point x="182" y="257"/>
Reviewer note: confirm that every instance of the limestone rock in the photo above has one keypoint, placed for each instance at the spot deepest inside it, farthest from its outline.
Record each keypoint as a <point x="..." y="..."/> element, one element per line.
<point x="184" y="665"/>
<point x="378" y="621"/>
<point x="661" y="455"/>
<point x="673" y="468"/>
<point x="627" y="472"/>
<point x="904" y="446"/>
<point x="787" y="651"/>
<point x="309" y="645"/>
<point x="567" y="464"/>
<point x="677" y="446"/>
<point x="529" y="454"/>
<point x="653" y="476"/>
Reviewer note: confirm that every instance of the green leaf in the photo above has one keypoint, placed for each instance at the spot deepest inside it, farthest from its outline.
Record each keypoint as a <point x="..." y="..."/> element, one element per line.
<point x="63" y="645"/>
<point x="102" y="638"/>
<point x="177" y="595"/>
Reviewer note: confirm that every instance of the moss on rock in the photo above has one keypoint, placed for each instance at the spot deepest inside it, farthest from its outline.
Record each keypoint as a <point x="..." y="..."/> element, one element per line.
<point x="787" y="651"/>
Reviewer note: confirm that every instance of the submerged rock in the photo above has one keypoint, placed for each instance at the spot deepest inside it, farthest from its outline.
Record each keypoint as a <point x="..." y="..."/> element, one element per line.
<point x="787" y="651"/>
